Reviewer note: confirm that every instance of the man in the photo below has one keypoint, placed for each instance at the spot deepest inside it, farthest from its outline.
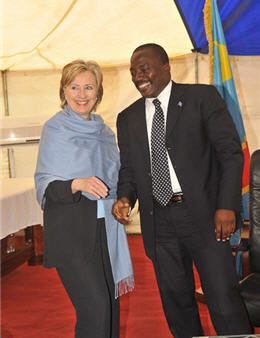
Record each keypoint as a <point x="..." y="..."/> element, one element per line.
<point x="181" y="158"/>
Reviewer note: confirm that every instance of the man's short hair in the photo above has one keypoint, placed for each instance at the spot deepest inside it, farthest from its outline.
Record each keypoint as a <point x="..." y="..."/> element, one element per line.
<point x="156" y="49"/>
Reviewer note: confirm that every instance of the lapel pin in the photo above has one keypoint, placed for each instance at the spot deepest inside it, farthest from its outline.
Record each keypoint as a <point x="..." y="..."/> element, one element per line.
<point x="179" y="104"/>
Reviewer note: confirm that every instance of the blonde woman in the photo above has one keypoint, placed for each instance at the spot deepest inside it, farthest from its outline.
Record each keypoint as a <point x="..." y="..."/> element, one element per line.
<point x="76" y="179"/>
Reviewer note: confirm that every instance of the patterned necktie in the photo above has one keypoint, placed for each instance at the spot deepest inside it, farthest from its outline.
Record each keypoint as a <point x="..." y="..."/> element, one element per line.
<point x="162" y="189"/>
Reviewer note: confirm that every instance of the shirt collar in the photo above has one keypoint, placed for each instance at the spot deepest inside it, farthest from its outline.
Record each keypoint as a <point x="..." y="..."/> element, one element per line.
<point x="163" y="97"/>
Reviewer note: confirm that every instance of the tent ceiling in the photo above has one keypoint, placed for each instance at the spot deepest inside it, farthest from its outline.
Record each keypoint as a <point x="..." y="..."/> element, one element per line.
<point x="47" y="34"/>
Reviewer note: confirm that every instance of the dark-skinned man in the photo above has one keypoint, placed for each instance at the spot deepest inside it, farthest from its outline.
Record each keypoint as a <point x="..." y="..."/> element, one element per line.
<point x="181" y="158"/>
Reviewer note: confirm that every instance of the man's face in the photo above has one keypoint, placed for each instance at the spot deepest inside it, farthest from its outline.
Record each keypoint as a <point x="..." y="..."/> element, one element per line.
<point x="149" y="74"/>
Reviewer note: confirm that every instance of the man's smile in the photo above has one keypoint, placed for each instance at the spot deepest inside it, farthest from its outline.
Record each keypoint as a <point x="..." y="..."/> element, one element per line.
<point x="143" y="85"/>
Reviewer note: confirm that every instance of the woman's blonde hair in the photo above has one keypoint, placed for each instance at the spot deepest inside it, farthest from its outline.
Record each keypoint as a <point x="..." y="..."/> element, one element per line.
<point x="72" y="69"/>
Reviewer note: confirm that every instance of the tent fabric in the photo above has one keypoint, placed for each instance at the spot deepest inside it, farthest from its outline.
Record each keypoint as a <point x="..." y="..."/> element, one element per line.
<point x="48" y="34"/>
<point x="38" y="34"/>
<point x="240" y="21"/>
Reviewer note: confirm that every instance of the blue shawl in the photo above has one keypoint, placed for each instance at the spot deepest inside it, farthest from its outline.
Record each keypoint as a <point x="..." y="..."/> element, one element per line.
<point x="74" y="147"/>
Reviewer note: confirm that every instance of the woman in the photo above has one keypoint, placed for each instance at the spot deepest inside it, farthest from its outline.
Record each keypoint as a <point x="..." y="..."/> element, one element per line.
<point x="76" y="179"/>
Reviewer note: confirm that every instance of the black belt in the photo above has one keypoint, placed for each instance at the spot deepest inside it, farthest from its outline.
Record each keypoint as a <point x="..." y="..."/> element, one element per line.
<point x="176" y="198"/>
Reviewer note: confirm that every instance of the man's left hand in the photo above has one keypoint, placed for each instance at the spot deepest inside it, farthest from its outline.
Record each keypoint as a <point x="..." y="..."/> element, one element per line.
<point x="225" y="223"/>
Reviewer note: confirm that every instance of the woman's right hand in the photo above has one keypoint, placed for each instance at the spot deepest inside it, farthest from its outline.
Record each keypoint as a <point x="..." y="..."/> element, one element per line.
<point x="91" y="185"/>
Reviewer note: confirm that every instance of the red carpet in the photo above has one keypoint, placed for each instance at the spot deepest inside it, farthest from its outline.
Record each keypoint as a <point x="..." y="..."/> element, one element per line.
<point x="35" y="305"/>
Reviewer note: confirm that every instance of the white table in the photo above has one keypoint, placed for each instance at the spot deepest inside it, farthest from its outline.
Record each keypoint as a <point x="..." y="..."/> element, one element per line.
<point x="18" y="205"/>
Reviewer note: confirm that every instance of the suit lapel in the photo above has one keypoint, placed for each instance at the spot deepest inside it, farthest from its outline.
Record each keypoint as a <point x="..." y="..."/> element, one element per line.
<point x="140" y="130"/>
<point x="174" y="108"/>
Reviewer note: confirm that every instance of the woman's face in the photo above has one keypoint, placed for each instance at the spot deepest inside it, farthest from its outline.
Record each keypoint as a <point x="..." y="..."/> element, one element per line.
<point x="81" y="93"/>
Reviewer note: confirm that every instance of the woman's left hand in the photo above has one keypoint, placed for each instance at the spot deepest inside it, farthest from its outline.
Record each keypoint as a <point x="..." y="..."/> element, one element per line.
<point x="91" y="185"/>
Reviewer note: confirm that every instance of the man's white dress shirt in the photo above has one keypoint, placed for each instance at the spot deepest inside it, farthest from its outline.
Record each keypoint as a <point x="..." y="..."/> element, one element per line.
<point x="164" y="98"/>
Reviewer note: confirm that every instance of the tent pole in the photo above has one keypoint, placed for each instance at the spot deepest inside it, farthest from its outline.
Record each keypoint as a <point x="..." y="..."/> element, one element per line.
<point x="11" y="162"/>
<point x="196" y="51"/>
<point x="5" y="92"/>
<point x="10" y="151"/>
<point x="196" y="67"/>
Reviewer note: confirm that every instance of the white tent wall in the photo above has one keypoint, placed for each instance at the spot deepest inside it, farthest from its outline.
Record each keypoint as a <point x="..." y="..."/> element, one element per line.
<point x="34" y="93"/>
<point x="246" y="71"/>
<point x="2" y="108"/>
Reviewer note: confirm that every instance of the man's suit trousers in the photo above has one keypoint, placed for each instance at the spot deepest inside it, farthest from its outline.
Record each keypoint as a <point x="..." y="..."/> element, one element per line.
<point x="179" y="243"/>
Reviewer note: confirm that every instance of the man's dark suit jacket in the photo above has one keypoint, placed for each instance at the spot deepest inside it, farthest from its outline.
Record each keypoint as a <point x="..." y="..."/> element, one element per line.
<point x="203" y="146"/>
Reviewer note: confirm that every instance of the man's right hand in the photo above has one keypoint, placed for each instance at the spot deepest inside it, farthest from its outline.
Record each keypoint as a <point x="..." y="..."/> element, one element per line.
<point x="120" y="211"/>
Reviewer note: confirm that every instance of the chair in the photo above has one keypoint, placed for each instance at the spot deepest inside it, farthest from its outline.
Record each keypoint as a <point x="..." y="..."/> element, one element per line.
<point x="250" y="285"/>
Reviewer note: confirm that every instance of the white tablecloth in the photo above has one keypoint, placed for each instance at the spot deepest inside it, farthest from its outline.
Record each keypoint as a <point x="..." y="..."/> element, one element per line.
<point x="19" y="207"/>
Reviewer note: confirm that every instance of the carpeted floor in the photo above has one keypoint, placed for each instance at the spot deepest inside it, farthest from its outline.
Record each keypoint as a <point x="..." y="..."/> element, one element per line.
<point x="35" y="305"/>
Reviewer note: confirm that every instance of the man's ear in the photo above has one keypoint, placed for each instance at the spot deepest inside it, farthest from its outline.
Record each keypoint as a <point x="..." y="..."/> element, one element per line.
<point x="166" y="67"/>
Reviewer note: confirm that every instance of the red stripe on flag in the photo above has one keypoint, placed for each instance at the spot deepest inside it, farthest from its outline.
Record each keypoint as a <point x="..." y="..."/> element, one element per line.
<point x="245" y="181"/>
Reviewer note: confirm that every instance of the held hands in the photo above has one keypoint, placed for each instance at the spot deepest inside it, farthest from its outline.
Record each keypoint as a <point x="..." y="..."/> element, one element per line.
<point x="91" y="185"/>
<point x="120" y="211"/>
<point x="225" y="223"/>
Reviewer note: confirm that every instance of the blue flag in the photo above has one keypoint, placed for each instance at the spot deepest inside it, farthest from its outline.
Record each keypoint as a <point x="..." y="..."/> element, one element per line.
<point x="224" y="82"/>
